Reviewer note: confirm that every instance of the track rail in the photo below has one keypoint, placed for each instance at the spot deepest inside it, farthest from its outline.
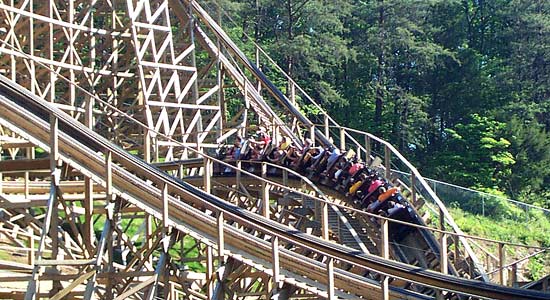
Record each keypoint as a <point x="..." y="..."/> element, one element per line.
<point x="26" y="113"/>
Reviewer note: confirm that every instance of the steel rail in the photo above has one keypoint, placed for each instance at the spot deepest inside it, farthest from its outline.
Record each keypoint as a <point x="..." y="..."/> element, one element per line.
<point x="16" y="97"/>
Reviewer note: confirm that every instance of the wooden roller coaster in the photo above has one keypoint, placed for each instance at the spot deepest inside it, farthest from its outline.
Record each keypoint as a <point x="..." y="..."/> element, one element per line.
<point x="110" y="187"/>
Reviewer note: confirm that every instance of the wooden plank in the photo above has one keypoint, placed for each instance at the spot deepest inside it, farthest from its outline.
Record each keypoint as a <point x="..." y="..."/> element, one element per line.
<point x="73" y="284"/>
<point x="65" y="262"/>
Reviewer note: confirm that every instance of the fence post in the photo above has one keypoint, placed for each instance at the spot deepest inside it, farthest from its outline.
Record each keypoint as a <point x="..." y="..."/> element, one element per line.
<point x="413" y="189"/>
<point x="501" y="263"/>
<point x="265" y="192"/>
<point x="327" y="133"/>
<point x="443" y="264"/>
<point x="238" y="175"/>
<point x="330" y="278"/>
<point x="207" y="176"/>
<point x="342" y="139"/>
<point x="312" y="134"/>
<point x="368" y="149"/>
<point x="324" y="220"/>
<point x="385" y="252"/>
<point x="220" y="239"/>
<point x="387" y="161"/>
<point x="514" y="275"/>
<point x="275" y="255"/>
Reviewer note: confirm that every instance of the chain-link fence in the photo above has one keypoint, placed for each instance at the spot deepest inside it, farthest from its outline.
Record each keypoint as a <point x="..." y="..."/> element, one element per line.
<point x="477" y="202"/>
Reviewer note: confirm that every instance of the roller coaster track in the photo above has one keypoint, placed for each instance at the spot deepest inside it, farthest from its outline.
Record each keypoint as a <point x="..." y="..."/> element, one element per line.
<point x="33" y="119"/>
<point x="201" y="234"/>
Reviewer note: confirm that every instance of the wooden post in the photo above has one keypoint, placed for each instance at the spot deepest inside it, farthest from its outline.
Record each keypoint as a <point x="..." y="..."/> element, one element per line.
<point x="238" y="165"/>
<point x="312" y="134"/>
<point x="220" y="239"/>
<point x="330" y="278"/>
<point x="443" y="255"/>
<point x="275" y="255"/>
<point x="88" y="213"/>
<point x="514" y="275"/>
<point x="207" y="176"/>
<point x="413" y="189"/>
<point x="342" y="139"/>
<point x="457" y="250"/>
<point x="55" y="177"/>
<point x="324" y="221"/>
<point x="368" y="148"/>
<point x="265" y="192"/>
<point x="387" y="161"/>
<point x="327" y="132"/>
<point x="209" y="272"/>
<point x="165" y="206"/>
<point x="501" y="263"/>
<point x="385" y="252"/>
<point x="30" y="258"/>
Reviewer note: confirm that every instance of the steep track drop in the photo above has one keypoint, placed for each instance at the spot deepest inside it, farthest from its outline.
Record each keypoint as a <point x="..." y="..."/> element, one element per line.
<point x="29" y="116"/>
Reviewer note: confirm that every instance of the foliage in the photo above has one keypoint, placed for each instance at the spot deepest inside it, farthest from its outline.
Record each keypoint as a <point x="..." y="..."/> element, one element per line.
<point x="461" y="87"/>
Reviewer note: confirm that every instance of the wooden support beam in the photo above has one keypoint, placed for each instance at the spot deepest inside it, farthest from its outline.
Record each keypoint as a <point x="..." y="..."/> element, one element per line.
<point x="207" y="176"/>
<point x="327" y="129"/>
<point x="324" y="221"/>
<point x="165" y="206"/>
<point x="72" y="285"/>
<point x="385" y="253"/>
<point x="443" y="255"/>
<point x="209" y="272"/>
<point x="221" y="241"/>
<point x="22" y="165"/>
<point x="413" y="188"/>
<point x="368" y="150"/>
<point x="342" y="139"/>
<point x="330" y="278"/>
<point x="276" y="265"/>
<point x="265" y="192"/>
<point x="136" y="288"/>
<point x="387" y="161"/>
<point x="501" y="263"/>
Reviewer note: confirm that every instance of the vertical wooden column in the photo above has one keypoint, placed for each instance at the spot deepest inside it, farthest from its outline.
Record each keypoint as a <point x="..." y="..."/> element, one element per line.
<point x="275" y="256"/>
<point x="221" y="242"/>
<point x="209" y="272"/>
<point x="265" y="192"/>
<point x="110" y="219"/>
<point x="29" y="153"/>
<point x="444" y="257"/>
<point x="330" y="278"/>
<point x="54" y="157"/>
<point x="207" y="176"/>
<point x="30" y="257"/>
<point x="342" y="139"/>
<point x="513" y="276"/>
<point x="387" y="161"/>
<point x="456" y="250"/>
<point x="88" y="183"/>
<point x="312" y="134"/>
<point x="501" y="263"/>
<point x="238" y="164"/>
<point x="413" y="188"/>
<point x="327" y="129"/>
<point x="165" y="205"/>
<point x="368" y="148"/>
<point x="385" y="253"/>
<point x="324" y="221"/>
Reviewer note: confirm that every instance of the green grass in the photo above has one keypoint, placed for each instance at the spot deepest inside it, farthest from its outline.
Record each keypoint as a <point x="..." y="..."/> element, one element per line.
<point x="528" y="229"/>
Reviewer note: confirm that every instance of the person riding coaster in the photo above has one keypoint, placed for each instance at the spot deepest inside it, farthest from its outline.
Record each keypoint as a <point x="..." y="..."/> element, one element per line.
<point x="307" y="157"/>
<point x="338" y="168"/>
<point x="347" y="177"/>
